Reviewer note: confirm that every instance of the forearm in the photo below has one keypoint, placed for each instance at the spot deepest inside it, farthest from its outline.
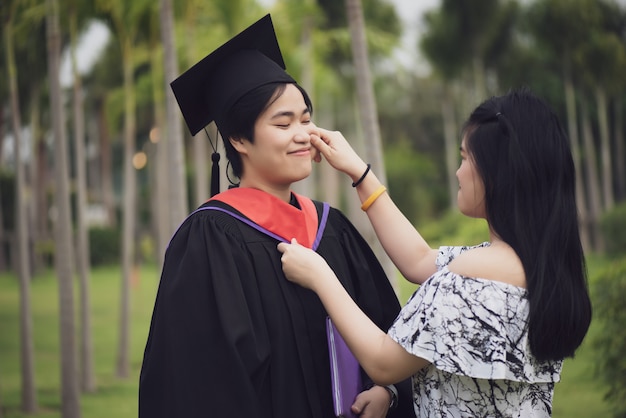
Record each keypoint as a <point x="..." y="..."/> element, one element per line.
<point x="384" y="360"/>
<point x="410" y="253"/>
<point x="363" y="337"/>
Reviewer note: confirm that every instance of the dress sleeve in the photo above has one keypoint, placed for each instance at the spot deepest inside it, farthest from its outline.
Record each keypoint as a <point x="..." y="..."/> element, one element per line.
<point x="471" y="327"/>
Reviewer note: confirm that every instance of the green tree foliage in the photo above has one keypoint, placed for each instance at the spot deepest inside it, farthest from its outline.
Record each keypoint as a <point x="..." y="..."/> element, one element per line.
<point x="440" y="45"/>
<point x="563" y="25"/>
<point x="104" y="246"/>
<point x="413" y="179"/>
<point x="454" y="228"/>
<point x="382" y="24"/>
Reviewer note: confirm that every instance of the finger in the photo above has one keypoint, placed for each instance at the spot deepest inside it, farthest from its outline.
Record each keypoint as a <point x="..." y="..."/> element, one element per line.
<point x="317" y="156"/>
<point x="323" y="132"/>
<point x="319" y="144"/>
<point x="282" y="246"/>
<point x="357" y="406"/>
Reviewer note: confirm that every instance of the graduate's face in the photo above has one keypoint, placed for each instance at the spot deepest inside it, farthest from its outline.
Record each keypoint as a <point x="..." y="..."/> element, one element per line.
<point x="471" y="194"/>
<point x="281" y="152"/>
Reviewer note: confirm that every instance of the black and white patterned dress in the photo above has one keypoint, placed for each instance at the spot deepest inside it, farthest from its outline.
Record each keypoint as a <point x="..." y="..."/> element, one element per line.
<point x="473" y="332"/>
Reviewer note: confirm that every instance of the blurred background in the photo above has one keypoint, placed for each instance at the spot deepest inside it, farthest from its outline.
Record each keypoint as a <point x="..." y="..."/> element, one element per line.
<point x="97" y="168"/>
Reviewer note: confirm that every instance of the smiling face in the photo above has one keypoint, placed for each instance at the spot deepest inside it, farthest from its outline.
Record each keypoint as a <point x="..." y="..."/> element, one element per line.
<point x="281" y="152"/>
<point x="471" y="194"/>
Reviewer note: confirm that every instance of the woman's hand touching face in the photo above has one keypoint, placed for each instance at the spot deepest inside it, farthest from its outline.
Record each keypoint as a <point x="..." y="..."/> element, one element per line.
<point x="315" y="153"/>
<point x="338" y="152"/>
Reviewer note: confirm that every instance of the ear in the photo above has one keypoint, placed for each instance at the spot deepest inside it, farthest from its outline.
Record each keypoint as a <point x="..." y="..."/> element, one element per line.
<point x="238" y="144"/>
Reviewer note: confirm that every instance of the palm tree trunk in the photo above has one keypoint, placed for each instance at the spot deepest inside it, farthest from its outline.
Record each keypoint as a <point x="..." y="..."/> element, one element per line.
<point x="620" y="151"/>
<point x="368" y="116"/>
<point x="365" y="91"/>
<point x="480" y="86"/>
<point x="570" y="105"/>
<point x="306" y="186"/>
<point x="592" y="180"/>
<point x="605" y="149"/>
<point x="176" y="167"/>
<point x="329" y="178"/>
<point x="128" y="211"/>
<point x="29" y="394"/>
<point x="70" y="407"/>
<point x="88" y="381"/>
<point x="35" y="235"/>
<point x="106" y="165"/>
<point x="448" y="115"/>
<point x="3" y="261"/>
<point x="199" y="144"/>
<point x="158" y="174"/>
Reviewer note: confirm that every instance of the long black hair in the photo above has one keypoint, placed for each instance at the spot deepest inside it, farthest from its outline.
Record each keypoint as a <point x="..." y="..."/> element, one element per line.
<point x="523" y="156"/>
<point x="239" y="120"/>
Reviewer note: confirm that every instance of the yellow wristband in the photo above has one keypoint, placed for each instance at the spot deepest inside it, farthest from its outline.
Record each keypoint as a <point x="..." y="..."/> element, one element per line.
<point x="368" y="202"/>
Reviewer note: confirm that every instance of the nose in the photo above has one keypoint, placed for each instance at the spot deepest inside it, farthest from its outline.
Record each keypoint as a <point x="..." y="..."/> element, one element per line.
<point x="303" y="134"/>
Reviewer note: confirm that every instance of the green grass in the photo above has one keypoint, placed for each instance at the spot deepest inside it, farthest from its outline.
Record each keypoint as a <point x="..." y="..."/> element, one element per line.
<point x="578" y="395"/>
<point x="114" y="397"/>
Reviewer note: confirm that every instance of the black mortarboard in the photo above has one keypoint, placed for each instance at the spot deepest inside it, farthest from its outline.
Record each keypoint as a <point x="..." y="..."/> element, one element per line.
<point x="249" y="60"/>
<point x="206" y="91"/>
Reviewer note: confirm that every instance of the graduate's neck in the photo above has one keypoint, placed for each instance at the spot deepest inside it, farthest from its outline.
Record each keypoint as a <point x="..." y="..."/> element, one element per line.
<point x="282" y="192"/>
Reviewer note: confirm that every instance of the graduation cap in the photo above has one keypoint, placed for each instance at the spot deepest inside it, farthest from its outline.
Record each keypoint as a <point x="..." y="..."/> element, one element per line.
<point x="206" y="91"/>
<point x="249" y="60"/>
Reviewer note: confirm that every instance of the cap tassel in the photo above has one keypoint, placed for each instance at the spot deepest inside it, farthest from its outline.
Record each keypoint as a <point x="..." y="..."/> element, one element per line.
<point x="215" y="166"/>
<point x="215" y="173"/>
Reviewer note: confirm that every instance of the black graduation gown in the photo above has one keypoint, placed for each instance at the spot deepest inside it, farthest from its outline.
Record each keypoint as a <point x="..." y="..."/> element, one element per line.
<point x="230" y="336"/>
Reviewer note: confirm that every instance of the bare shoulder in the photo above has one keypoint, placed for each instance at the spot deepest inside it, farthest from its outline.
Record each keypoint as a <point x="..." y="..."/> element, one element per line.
<point x="492" y="263"/>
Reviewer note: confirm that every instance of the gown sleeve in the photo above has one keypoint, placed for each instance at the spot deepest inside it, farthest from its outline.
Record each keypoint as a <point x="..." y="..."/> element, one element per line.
<point x="203" y="327"/>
